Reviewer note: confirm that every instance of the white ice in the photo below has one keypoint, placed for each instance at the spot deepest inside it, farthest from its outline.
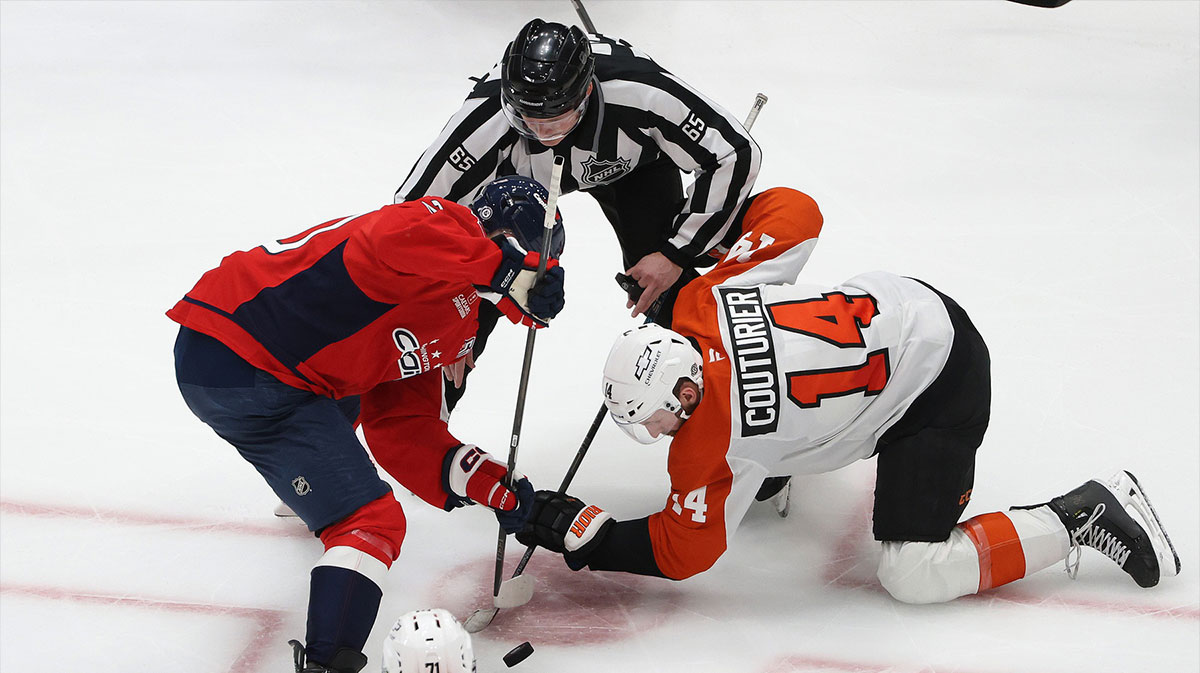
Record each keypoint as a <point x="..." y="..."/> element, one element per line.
<point x="1040" y="166"/>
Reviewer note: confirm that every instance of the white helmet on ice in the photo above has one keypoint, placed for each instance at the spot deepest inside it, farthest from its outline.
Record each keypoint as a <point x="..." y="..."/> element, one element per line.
<point x="640" y="376"/>
<point x="424" y="637"/>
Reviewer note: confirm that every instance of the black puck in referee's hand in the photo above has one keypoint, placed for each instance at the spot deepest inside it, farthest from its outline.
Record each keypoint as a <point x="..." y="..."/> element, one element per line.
<point x="518" y="654"/>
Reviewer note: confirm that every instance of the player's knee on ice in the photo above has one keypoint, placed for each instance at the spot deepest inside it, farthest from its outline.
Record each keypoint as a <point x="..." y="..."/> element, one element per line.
<point x="930" y="572"/>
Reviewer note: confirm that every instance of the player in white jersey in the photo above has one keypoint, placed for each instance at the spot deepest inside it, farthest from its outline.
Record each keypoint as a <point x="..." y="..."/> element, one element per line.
<point x="766" y="376"/>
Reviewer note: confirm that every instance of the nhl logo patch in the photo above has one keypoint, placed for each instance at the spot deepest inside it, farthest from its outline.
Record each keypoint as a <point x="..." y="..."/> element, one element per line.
<point x="301" y="486"/>
<point x="598" y="172"/>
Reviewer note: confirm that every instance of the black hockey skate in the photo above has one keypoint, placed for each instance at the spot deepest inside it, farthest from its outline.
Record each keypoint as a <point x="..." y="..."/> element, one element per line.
<point x="1098" y="515"/>
<point x="779" y="491"/>
<point x="345" y="661"/>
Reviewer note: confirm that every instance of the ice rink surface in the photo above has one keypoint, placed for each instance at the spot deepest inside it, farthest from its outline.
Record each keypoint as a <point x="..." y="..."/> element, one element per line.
<point x="1040" y="166"/>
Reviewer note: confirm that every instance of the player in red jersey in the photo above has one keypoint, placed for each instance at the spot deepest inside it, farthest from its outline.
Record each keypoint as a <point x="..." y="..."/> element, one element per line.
<point x="283" y="349"/>
<point x="765" y="375"/>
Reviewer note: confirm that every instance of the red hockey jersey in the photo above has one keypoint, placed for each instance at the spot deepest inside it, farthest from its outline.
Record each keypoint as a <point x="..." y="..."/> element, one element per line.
<point x="370" y="305"/>
<point x="798" y="378"/>
<point x="351" y="303"/>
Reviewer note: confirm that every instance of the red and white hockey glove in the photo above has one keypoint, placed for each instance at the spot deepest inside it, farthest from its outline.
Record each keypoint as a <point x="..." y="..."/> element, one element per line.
<point x="523" y="301"/>
<point x="566" y="525"/>
<point x="476" y="475"/>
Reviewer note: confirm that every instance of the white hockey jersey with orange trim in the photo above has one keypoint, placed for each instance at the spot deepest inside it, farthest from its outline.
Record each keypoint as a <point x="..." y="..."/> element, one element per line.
<point x="798" y="378"/>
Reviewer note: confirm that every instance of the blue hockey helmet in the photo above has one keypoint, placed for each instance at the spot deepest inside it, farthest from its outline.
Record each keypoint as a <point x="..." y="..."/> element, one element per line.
<point x="516" y="205"/>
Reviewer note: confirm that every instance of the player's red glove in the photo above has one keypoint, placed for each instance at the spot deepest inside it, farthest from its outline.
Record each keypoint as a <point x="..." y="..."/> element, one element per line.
<point x="566" y="525"/>
<point x="476" y="475"/>
<point x="523" y="301"/>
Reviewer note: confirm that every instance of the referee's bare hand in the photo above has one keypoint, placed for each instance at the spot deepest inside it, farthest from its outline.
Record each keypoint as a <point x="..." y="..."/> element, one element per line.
<point x="655" y="273"/>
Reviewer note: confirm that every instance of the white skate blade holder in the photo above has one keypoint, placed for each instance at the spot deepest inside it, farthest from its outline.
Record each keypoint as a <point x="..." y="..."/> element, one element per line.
<point x="1130" y="494"/>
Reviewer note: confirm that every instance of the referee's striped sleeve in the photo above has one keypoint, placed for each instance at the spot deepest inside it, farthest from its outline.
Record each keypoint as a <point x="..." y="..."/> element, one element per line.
<point x="464" y="156"/>
<point x="702" y="138"/>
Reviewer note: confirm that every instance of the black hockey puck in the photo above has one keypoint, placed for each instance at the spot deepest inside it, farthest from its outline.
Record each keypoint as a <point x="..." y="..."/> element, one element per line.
<point x="518" y="654"/>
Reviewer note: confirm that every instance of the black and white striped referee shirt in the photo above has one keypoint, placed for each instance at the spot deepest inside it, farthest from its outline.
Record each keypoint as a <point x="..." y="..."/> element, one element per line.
<point x="637" y="113"/>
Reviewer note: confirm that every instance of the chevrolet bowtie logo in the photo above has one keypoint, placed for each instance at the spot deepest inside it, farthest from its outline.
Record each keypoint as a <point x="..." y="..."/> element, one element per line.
<point x="643" y="361"/>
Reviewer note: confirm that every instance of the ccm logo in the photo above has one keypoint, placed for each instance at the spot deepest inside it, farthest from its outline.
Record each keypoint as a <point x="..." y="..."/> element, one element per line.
<point x="584" y="519"/>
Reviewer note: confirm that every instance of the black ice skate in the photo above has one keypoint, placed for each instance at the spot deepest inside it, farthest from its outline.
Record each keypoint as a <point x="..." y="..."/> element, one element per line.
<point x="1116" y="518"/>
<point x="779" y="491"/>
<point x="345" y="661"/>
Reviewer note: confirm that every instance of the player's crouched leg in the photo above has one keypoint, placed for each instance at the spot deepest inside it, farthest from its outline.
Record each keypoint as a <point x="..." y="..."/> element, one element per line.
<point x="346" y="585"/>
<point x="930" y="572"/>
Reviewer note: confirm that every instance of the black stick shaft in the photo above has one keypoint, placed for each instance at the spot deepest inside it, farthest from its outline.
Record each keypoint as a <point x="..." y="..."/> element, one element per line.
<point x="526" y="364"/>
<point x="562" y="488"/>
<point x="583" y="16"/>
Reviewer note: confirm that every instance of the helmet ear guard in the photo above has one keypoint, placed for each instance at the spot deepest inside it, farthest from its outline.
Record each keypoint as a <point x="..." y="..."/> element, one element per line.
<point x="641" y="374"/>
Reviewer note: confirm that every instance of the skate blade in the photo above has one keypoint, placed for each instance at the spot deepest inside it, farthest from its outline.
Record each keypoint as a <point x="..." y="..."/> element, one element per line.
<point x="782" y="501"/>
<point x="1132" y="494"/>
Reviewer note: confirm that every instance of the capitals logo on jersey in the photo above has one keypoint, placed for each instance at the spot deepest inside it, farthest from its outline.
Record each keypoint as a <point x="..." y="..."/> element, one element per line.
<point x="415" y="357"/>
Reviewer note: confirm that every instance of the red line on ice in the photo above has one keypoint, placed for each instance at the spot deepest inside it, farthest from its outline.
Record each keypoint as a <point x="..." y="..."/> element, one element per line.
<point x="283" y="529"/>
<point x="797" y="664"/>
<point x="268" y="622"/>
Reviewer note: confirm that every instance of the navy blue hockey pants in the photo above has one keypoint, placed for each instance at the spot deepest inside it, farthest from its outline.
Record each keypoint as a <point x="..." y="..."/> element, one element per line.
<point x="301" y="443"/>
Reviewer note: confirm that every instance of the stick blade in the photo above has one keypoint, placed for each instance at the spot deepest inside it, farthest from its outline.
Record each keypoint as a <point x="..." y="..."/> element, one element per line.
<point x="480" y="619"/>
<point x="515" y="592"/>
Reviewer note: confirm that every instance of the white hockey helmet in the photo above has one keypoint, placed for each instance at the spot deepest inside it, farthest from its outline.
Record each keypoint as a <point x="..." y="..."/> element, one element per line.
<point x="640" y="376"/>
<point x="424" y="637"/>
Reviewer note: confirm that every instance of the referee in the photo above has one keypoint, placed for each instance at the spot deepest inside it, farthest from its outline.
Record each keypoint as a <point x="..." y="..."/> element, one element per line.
<point x="626" y="128"/>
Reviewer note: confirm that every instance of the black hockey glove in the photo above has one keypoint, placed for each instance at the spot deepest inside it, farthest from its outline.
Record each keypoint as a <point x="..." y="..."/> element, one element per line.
<point x="566" y="525"/>
<point x="520" y="299"/>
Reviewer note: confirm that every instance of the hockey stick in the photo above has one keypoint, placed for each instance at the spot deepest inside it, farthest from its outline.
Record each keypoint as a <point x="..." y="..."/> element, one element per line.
<point x="480" y="619"/>
<point x="569" y="477"/>
<point x="583" y="16"/>
<point x="760" y="99"/>
<point x="519" y="593"/>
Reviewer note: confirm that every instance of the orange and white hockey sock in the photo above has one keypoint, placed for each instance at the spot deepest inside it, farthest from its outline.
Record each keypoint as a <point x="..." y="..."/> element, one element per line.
<point x="1016" y="543"/>
<point x="983" y="552"/>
